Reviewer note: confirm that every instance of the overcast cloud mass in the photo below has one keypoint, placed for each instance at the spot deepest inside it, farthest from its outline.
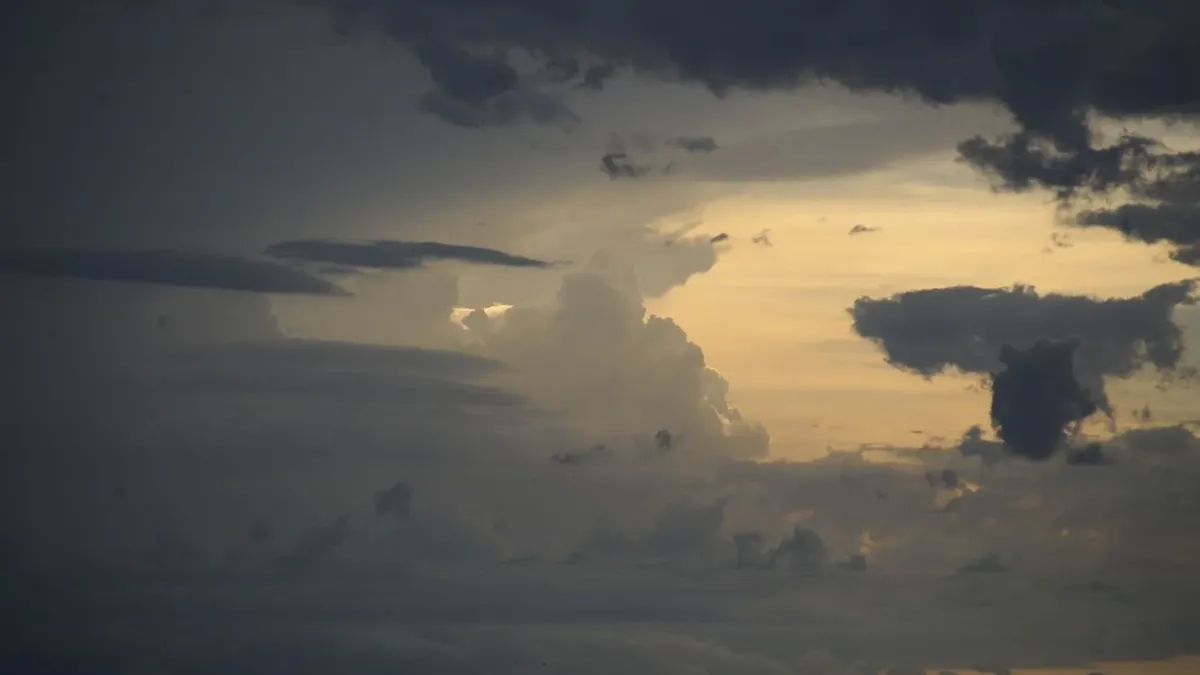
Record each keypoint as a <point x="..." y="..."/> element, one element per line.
<point x="337" y="337"/>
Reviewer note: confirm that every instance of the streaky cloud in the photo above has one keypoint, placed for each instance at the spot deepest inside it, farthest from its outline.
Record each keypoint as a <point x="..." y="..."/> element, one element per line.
<point x="166" y="267"/>
<point x="394" y="255"/>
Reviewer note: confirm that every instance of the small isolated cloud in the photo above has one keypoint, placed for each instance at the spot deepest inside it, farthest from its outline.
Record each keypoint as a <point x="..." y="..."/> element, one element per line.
<point x="167" y="268"/>
<point x="717" y="239"/>
<point x="762" y="238"/>
<point x="620" y="165"/>
<point x="862" y="229"/>
<point x="393" y="255"/>
<point x="702" y="144"/>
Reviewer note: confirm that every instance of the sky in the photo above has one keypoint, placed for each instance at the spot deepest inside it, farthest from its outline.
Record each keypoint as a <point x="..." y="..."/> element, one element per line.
<point x="815" y="338"/>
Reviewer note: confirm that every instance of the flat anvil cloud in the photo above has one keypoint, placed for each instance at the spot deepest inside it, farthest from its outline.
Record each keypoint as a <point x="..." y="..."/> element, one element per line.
<point x="394" y="254"/>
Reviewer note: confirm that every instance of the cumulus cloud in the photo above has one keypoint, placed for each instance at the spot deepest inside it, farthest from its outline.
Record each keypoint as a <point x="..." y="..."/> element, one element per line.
<point x="394" y="254"/>
<point x="966" y="328"/>
<point x="1036" y="397"/>
<point x="186" y="269"/>
<point x="598" y="358"/>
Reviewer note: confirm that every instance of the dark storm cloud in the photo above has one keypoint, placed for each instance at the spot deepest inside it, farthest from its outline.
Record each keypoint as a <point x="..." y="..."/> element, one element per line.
<point x="1169" y="212"/>
<point x="694" y="143"/>
<point x="965" y="327"/>
<point x="394" y="254"/>
<point x="1036" y="398"/>
<point x="167" y="268"/>
<point x="1048" y="64"/>
<point x="477" y="90"/>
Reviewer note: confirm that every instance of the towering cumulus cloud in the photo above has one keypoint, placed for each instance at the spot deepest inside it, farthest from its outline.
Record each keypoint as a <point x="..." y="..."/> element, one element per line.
<point x="1036" y="397"/>
<point x="597" y="357"/>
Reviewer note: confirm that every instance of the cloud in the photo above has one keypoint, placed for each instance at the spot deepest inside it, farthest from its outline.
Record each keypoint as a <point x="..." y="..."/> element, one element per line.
<point x="862" y="229"/>
<point x="479" y="90"/>
<point x="966" y="328"/>
<point x="1035" y="397"/>
<point x="619" y="165"/>
<point x="1169" y="212"/>
<point x="165" y="267"/>
<point x="583" y="354"/>
<point x="704" y="144"/>
<point x="389" y="255"/>
<point x="985" y="51"/>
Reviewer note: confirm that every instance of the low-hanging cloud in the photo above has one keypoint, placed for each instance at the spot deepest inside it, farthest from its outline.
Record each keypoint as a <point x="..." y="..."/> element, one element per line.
<point x="186" y="269"/>
<point x="1036" y="397"/>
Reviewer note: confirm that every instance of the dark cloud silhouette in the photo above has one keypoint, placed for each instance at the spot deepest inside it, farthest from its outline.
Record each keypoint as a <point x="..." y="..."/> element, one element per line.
<point x="704" y="144"/>
<point x="389" y="255"/>
<point x="663" y="440"/>
<point x="1036" y="397"/>
<point x="717" y="239"/>
<point x="1168" y="213"/>
<point x="166" y="268"/>
<point x="862" y="229"/>
<point x="1121" y="59"/>
<point x="966" y="327"/>
<point x="478" y="90"/>
<point x="619" y="165"/>
<point x="984" y="50"/>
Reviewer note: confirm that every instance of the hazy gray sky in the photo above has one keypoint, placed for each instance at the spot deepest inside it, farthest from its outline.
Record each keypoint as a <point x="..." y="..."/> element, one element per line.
<point x="641" y="337"/>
